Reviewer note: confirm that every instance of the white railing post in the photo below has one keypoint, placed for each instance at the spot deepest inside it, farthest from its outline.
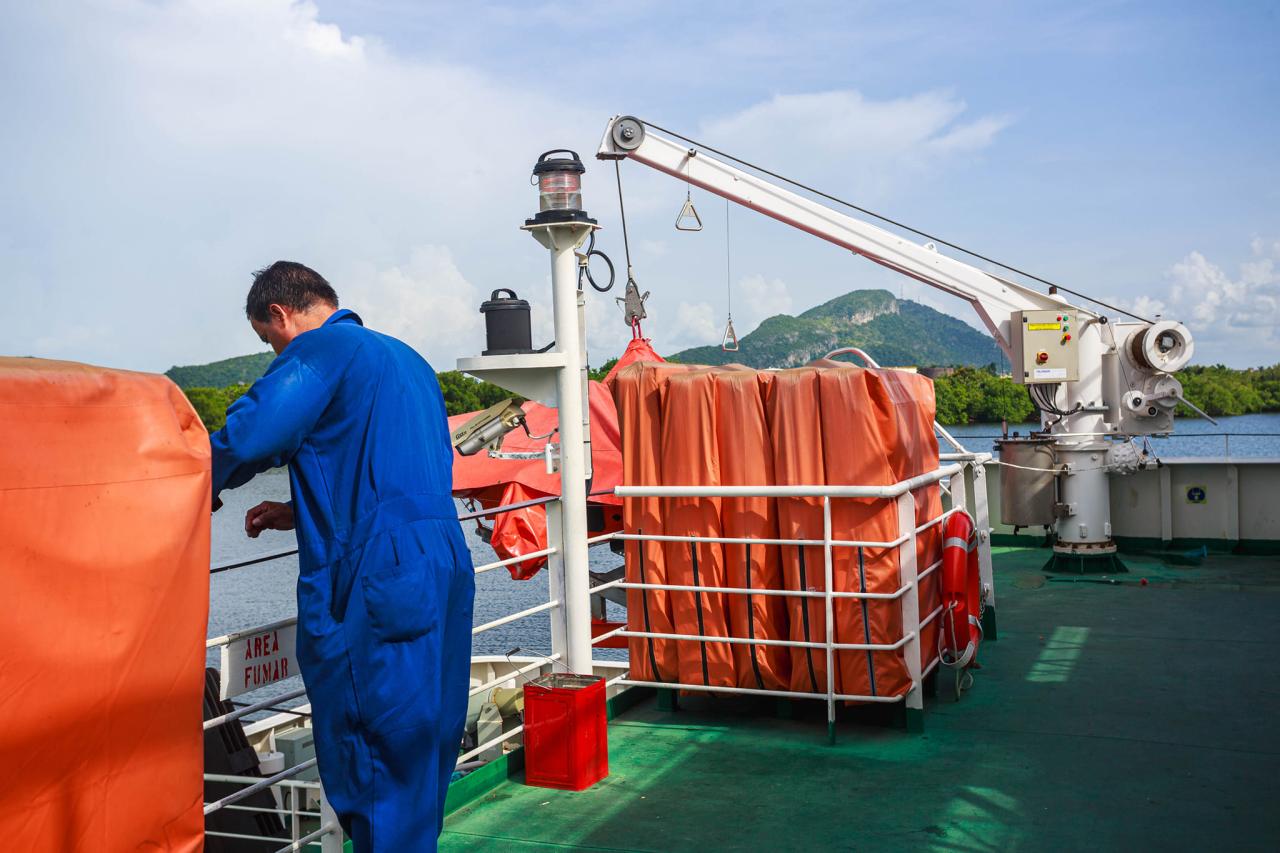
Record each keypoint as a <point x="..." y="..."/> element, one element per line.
<point x="555" y="585"/>
<point x="330" y="842"/>
<point x="982" y="521"/>
<point x="295" y="820"/>
<point x="910" y="609"/>
<point x="829" y="574"/>
<point x="957" y="486"/>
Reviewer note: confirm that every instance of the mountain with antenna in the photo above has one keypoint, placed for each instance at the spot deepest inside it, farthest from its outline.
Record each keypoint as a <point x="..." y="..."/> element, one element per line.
<point x="895" y="332"/>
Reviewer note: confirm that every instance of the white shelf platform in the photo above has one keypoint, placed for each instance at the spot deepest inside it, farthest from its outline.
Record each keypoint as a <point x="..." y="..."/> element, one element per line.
<point x="532" y="375"/>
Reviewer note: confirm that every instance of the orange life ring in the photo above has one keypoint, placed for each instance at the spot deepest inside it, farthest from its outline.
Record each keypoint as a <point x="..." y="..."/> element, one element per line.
<point x="961" y="593"/>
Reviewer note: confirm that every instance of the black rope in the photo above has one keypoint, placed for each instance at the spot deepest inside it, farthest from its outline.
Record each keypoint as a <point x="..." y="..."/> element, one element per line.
<point x="866" y="620"/>
<point x="586" y="269"/>
<point x="274" y="708"/>
<point x="804" y="613"/>
<point x="697" y="600"/>
<point x="751" y="623"/>
<point x="883" y="218"/>
<point x="213" y="570"/>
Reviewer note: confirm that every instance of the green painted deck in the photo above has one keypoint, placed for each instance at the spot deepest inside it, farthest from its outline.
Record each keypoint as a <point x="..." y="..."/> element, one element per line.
<point x="1105" y="717"/>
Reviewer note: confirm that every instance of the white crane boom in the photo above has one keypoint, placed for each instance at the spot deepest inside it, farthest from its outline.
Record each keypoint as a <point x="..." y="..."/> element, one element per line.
<point x="1096" y="378"/>
<point x="994" y="298"/>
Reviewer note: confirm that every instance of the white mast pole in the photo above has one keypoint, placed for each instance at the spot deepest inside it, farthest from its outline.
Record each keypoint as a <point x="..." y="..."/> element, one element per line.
<point x="562" y="239"/>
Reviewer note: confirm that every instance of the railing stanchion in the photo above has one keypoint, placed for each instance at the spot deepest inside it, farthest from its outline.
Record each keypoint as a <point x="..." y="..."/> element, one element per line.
<point x="556" y="586"/>
<point x="958" y="484"/>
<point x="295" y="831"/>
<point x="910" y="604"/>
<point x="330" y="842"/>
<point x="982" y="521"/>
<point x="829" y="575"/>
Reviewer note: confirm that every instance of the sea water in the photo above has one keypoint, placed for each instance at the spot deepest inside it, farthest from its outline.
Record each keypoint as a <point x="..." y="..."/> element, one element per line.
<point x="255" y="595"/>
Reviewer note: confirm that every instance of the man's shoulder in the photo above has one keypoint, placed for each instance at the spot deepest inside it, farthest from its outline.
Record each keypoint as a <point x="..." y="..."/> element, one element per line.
<point x="360" y="344"/>
<point x="399" y="350"/>
<point x="328" y="348"/>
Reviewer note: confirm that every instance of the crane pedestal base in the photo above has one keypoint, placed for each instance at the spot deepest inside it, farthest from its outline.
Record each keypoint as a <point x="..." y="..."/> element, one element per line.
<point x="1079" y="563"/>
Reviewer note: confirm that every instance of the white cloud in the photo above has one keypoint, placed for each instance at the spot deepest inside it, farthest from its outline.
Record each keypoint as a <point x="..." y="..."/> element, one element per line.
<point x="179" y="146"/>
<point x="426" y="302"/>
<point x="1235" y="320"/>
<point x="165" y="150"/>
<point x="759" y="299"/>
<point x="656" y="248"/>
<point x="695" y="324"/>
<point x="851" y="142"/>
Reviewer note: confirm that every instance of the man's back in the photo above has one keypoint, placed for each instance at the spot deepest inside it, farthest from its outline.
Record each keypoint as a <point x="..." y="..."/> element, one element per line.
<point x="379" y="454"/>
<point x="359" y="418"/>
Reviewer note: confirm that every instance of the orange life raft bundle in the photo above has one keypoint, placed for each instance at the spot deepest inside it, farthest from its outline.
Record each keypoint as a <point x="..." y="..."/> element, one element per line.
<point x="825" y="424"/>
<point x="104" y="559"/>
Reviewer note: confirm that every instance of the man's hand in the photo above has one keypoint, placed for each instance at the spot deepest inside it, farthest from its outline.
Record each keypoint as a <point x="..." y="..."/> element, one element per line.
<point x="268" y="515"/>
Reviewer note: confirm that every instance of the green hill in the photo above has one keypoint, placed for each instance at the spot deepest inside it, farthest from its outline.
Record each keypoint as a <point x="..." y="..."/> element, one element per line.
<point x="895" y="332"/>
<point x="219" y="374"/>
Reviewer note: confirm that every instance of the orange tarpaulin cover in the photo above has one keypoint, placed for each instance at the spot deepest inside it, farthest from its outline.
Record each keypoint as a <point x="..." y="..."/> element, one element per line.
<point x="104" y="559"/>
<point x="907" y="416"/>
<point x="689" y="457"/>
<point x="857" y="452"/>
<point x="826" y="423"/>
<point x="795" y="429"/>
<point x="740" y="423"/>
<point x="638" y="392"/>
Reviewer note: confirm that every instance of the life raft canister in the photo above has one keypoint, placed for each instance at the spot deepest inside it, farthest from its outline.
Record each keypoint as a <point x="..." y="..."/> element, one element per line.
<point x="961" y="593"/>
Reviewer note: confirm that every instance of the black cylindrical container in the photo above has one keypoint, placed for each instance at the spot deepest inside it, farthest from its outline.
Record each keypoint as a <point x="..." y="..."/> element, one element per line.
<point x="506" y="324"/>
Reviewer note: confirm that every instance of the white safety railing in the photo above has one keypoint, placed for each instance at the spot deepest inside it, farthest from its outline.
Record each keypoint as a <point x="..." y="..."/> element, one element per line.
<point x="959" y="477"/>
<point x="950" y="476"/>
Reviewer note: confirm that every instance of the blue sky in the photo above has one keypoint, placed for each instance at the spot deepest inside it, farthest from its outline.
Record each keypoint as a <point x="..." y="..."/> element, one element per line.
<point x="156" y="153"/>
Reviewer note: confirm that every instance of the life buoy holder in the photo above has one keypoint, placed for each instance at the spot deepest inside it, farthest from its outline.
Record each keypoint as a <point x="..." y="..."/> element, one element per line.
<point x="961" y="627"/>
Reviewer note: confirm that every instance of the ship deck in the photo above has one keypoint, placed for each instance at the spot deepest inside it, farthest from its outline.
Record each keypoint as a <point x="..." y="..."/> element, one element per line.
<point x="1105" y="716"/>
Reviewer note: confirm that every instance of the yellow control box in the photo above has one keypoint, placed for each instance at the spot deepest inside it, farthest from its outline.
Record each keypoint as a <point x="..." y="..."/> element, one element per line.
<point x="1045" y="346"/>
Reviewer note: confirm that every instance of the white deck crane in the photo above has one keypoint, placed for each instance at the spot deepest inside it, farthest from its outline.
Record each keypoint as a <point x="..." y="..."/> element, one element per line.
<point x="1092" y="379"/>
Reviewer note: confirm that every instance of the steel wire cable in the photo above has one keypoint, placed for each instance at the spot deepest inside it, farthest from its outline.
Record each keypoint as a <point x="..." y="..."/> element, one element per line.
<point x="893" y="222"/>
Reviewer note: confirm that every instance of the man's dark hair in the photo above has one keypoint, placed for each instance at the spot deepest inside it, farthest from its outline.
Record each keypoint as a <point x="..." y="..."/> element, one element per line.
<point x="289" y="284"/>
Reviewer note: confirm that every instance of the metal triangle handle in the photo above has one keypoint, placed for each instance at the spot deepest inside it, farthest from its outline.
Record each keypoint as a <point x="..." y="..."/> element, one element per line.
<point x="688" y="212"/>
<point x="729" y="343"/>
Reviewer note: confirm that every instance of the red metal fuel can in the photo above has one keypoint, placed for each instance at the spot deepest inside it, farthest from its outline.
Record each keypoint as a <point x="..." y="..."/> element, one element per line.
<point x="566" y="741"/>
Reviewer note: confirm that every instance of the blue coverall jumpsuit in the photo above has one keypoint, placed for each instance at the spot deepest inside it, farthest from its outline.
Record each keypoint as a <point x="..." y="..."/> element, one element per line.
<point x="386" y="583"/>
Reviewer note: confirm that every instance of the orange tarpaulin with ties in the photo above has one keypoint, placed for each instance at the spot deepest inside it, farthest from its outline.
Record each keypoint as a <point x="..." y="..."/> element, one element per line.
<point x="856" y="451"/>
<point x="638" y="392"/>
<point x="104" y="560"/>
<point x="741" y="424"/>
<point x="824" y="424"/>
<point x="689" y="457"/>
<point x="795" y="430"/>
<point x="907" y="413"/>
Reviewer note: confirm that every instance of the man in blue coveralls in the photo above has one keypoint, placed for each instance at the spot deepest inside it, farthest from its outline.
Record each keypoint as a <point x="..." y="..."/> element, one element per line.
<point x="385" y="585"/>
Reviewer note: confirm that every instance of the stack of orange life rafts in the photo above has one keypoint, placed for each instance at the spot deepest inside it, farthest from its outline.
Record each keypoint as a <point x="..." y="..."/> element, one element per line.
<point x="826" y="423"/>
